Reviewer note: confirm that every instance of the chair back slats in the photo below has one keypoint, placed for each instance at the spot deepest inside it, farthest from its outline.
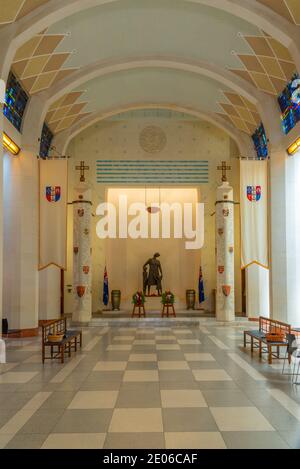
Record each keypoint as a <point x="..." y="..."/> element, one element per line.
<point x="58" y="326"/>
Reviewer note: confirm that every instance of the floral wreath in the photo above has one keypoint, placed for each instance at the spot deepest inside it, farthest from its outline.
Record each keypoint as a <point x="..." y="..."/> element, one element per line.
<point x="138" y="298"/>
<point x="168" y="298"/>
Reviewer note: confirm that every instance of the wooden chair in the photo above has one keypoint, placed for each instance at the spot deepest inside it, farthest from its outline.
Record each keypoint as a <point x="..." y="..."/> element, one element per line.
<point x="166" y="310"/>
<point x="138" y="311"/>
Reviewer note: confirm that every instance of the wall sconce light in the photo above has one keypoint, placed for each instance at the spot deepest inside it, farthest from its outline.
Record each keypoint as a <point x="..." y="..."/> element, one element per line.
<point x="10" y="144"/>
<point x="294" y="147"/>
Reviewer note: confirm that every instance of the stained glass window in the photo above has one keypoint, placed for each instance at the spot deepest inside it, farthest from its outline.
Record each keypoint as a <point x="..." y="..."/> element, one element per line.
<point x="290" y="111"/>
<point x="46" y="139"/>
<point x="261" y="142"/>
<point x="15" y="102"/>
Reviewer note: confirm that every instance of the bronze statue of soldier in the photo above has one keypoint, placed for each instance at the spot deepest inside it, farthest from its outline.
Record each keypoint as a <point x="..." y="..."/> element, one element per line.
<point x="154" y="276"/>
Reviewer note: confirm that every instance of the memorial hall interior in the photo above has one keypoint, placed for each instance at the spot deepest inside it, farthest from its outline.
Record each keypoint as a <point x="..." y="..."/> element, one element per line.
<point x="182" y="103"/>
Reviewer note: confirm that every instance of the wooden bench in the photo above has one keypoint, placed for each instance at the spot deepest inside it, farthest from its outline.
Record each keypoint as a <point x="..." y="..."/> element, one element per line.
<point x="58" y="349"/>
<point x="259" y="341"/>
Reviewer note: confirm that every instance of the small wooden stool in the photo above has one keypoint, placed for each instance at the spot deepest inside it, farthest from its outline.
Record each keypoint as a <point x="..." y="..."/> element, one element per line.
<point x="166" y="308"/>
<point x="141" y="311"/>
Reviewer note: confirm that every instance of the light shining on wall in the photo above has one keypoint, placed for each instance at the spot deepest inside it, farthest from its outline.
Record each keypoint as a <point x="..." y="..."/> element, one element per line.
<point x="10" y="145"/>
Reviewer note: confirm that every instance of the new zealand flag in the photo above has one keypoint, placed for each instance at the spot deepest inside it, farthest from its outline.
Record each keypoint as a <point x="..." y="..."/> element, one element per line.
<point x="105" y="288"/>
<point x="201" y="287"/>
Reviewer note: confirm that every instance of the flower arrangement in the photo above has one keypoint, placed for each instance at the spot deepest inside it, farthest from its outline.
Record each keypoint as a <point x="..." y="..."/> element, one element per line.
<point x="138" y="299"/>
<point x="168" y="298"/>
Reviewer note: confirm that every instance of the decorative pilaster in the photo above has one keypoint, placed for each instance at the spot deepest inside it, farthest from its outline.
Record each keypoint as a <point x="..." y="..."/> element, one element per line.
<point x="82" y="262"/>
<point x="225" y="304"/>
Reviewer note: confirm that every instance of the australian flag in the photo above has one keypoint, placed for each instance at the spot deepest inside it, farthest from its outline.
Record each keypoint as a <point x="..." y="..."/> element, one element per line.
<point x="201" y="287"/>
<point x="105" y="288"/>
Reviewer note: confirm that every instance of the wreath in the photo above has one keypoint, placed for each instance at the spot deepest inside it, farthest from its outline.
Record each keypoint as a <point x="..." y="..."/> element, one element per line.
<point x="138" y="299"/>
<point x="168" y="298"/>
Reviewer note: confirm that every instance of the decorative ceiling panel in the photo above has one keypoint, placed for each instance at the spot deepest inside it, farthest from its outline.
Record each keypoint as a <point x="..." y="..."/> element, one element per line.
<point x="289" y="9"/>
<point x="66" y="111"/>
<point x="240" y="112"/>
<point x="37" y="63"/>
<point x="269" y="67"/>
<point x="12" y="10"/>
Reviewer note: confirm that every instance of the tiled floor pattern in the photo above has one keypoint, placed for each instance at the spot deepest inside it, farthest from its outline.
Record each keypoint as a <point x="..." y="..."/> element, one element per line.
<point x="148" y="388"/>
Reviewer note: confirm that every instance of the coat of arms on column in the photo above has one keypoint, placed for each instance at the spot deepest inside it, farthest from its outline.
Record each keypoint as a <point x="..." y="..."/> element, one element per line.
<point x="226" y="289"/>
<point x="80" y="291"/>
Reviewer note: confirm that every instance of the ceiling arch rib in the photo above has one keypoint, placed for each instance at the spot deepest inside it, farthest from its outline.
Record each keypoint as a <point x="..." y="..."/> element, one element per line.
<point x="54" y="11"/>
<point x="100" y="69"/>
<point x="243" y="142"/>
<point x="66" y="103"/>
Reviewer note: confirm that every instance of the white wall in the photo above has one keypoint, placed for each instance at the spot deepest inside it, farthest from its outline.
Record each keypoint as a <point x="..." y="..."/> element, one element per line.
<point x="49" y="293"/>
<point x="186" y="139"/>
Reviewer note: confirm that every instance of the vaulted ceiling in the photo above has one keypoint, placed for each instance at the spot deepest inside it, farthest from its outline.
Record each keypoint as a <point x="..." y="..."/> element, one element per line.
<point x="59" y="62"/>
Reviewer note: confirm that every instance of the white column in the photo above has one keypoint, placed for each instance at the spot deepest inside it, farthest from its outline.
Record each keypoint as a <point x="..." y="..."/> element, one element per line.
<point x="49" y="293"/>
<point x="1" y="218"/>
<point x="293" y="238"/>
<point x="278" y="208"/>
<point x="225" y="307"/>
<point x="20" y="256"/>
<point x="21" y="225"/>
<point x="82" y="265"/>
<point x="257" y="288"/>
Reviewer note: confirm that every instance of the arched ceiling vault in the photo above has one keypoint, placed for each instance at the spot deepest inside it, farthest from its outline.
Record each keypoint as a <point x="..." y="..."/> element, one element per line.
<point x="67" y="52"/>
<point x="226" y="79"/>
<point x="54" y="13"/>
<point x="149" y="82"/>
<point x="63" y="139"/>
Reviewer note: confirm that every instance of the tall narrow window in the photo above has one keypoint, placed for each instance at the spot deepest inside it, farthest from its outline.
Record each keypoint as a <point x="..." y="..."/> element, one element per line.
<point x="15" y="102"/>
<point x="290" y="111"/>
<point x="261" y="142"/>
<point x="46" y="139"/>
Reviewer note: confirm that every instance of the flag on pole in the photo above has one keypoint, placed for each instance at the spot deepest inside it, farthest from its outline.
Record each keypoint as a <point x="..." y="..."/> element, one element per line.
<point x="105" y="288"/>
<point x="201" y="287"/>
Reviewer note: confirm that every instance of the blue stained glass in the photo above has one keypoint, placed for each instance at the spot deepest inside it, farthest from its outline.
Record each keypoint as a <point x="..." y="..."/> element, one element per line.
<point x="261" y="142"/>
<point x="46" y="140"/>
<point x="15" y="102"/>
<point x="290" y="111"/>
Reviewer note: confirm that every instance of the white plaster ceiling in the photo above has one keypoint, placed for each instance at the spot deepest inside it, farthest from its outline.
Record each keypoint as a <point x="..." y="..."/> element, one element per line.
<point x="123" y="30"/>
<point x="135" y="28"/>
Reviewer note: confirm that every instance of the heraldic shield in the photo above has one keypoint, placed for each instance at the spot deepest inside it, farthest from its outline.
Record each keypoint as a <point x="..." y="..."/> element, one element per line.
<point x="53" y="193"/>
<point x="226" y="289"/>
<point x="80" y="291"/>
<point x="253" y="193"/>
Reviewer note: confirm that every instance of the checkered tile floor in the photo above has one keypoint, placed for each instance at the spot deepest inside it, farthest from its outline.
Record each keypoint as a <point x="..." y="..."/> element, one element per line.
<point x="148" y="388"/>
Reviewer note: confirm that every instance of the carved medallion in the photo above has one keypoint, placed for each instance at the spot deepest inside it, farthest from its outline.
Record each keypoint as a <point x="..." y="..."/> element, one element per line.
<point x="153" y="139"/>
